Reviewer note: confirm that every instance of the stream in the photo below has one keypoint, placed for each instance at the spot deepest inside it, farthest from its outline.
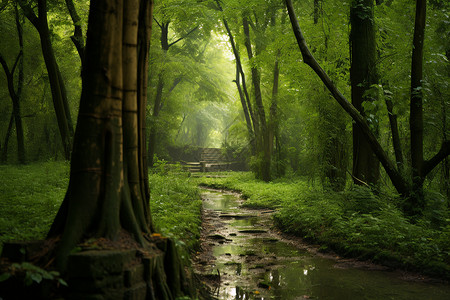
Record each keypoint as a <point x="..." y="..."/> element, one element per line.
<point x="243" y="257"/>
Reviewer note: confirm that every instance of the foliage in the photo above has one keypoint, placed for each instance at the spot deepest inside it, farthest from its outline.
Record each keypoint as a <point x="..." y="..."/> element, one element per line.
<point x="355" y="222"/>
<point x="176" y="205"/>
<point x="30" y="196"/>
<point x="31" y="274"/>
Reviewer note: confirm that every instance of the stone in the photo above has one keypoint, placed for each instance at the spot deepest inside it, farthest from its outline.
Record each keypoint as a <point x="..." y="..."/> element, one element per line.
<point x="99" y="263"/>
<point x="133" y="275"/>
<point x="137" y="292"/>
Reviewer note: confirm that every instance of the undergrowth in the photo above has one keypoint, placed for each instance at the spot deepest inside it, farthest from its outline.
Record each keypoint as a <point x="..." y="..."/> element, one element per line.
<point x="175" y="205"/>
<point x="355" y="223"/>
<point x="30" y="197"/>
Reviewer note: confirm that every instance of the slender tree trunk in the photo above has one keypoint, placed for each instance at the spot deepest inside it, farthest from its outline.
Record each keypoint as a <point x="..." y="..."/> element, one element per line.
<point x="4" y="157"/>
<point x="59" y="95"/>
<point x="154" y="120"/>
<point x="273" y="116"/>
<point x="15" y="95"/>
<point x="395" y="135"/>
<point x="363" y="75"/>
<point x="16" y="107"/>
<point x="317" y="4"/>
<point x="248" y="121"/>
<point x="262" y="140"/>
<point x="416" y="106"/>
<point x="241" y="71"/>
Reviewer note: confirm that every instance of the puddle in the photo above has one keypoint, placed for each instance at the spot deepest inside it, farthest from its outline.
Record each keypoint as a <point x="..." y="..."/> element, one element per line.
<point x="242" y="258"/>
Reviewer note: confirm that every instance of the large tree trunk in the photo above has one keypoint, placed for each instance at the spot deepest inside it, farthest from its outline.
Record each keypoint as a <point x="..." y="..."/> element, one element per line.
<point x="363" y="75"/>
<point x="107" y="192"/>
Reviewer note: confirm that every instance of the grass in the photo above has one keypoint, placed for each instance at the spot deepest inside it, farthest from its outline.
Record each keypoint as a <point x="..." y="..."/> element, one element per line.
<point x="354" y="223"/>
<point x="30" y="196"/>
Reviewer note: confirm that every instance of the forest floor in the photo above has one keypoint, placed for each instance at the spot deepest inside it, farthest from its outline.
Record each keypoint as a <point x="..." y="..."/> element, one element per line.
<point x="353" y="223"/>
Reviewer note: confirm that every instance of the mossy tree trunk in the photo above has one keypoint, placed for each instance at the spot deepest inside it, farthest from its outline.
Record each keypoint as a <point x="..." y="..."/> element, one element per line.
<point x="108" y="189"/>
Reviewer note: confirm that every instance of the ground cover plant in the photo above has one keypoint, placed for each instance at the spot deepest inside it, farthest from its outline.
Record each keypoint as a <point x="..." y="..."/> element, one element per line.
<point x="355" y="222"/>
<point x="30" y="196"/>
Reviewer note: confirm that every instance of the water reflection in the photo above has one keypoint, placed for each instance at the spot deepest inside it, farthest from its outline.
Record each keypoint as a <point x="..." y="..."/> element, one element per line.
<point x="255" y="264"/>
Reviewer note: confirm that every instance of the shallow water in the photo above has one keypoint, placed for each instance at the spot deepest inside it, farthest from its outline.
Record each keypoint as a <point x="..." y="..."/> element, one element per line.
<point x="255" y="263"/>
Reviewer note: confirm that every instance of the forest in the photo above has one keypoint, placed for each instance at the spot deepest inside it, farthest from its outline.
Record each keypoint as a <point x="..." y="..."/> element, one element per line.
<point x="331" y="116"/>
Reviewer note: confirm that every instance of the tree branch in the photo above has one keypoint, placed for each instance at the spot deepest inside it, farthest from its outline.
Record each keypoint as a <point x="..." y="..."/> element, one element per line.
<point x="16" y="62"/>
<point x="5" y="65"/>
<point x="157" y="22"/>
<point x="77" y="37"/>
<point x="430" y="164"/>
<point x="29" y="13"/>
<point x="185" y="36"/>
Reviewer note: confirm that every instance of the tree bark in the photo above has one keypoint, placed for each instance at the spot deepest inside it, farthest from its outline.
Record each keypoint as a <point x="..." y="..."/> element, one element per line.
<point x="363" y="75"/>
<point x="107" y="191"/>
<point x="4" y="152"/>
<point x="416" y="105"/>
<point x="395" y="135"/>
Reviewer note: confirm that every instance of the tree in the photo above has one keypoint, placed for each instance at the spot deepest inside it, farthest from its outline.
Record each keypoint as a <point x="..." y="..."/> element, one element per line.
<point x="108" y="193"/>
<point x="411" y="192"/>
<point x="158" y="100"/>
<point x="59" y="94"/>
<point x="363" y="74"/>
<point x="263" y="126"/>
<point x="15" y="94"/>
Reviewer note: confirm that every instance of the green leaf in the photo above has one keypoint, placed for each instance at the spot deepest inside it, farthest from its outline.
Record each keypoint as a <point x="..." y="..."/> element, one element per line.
<point x="4" y="276"/>
<point x="36" y="277"/>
